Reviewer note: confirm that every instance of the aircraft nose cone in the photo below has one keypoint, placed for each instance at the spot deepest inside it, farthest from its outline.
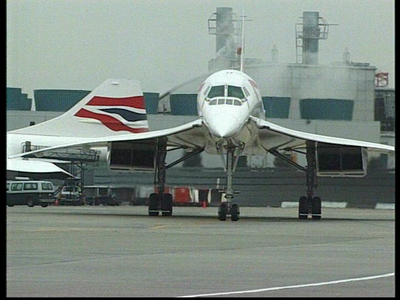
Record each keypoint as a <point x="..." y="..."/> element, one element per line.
<point x="223" y="126"/>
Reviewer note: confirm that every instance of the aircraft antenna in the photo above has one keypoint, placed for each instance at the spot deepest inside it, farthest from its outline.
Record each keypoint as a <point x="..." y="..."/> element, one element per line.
<point x="241" y="48"/>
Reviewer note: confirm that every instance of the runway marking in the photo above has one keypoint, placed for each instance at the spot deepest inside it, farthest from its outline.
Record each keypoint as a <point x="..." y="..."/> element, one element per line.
<point x="325" y="204"/>
<point x="291" y="286"/>
<point x="385" y="206"/>
<point x="45" y="229"/>
<point x="160" y="226"/>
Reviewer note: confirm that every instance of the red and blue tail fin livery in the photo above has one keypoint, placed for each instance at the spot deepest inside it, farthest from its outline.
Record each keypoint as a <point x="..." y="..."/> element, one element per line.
<point x="117" y="114"/>
<point x="116" y="107"/>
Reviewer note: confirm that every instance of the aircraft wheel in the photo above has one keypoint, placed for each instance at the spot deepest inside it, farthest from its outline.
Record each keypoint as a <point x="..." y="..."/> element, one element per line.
<point x="235" y="212"/>
<point x="222" y="210"/>
<point x="316" y="208"/>
<point x="303" y="207"/>
<point x="154" y="200"/>
<point x="166" y="205"/>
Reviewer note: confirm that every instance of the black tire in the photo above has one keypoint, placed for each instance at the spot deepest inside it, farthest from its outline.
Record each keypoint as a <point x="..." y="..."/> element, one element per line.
<point x="303" y="207"/>
<point x="316" y="208"/>
<point x="235" y="212"/>
<point x="166" y="205"/>
<point x="30" y="202"/>
<point x="222" y="210"/>
<point x="154" y="200"/>
<point x="44" y="204"/>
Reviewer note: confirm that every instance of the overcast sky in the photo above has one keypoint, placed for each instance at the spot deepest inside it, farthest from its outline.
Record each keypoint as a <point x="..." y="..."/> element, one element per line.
<point x="77" y="44"/>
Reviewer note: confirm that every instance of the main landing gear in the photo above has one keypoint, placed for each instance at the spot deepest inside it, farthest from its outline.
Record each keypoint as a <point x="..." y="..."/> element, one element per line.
<point x="161" y="201"/>
<point x="309" y="204"/>
<point x="226" y="207"/>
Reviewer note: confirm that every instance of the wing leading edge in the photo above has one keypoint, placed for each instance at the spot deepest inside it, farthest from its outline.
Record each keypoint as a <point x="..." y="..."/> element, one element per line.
<point x="273" y="136"/>
<point x="190" y="135"/>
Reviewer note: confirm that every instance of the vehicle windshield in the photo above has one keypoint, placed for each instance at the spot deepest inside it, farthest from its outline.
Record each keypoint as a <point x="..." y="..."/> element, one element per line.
<point x="72" y="189"/>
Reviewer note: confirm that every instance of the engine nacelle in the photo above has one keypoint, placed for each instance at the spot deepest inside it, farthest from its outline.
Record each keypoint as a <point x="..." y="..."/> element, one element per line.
<point x="132" y="155"/>
<point x="341" y="161"/>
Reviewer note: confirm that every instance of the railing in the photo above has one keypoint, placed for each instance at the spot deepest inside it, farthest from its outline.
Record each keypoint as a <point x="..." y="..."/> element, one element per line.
<point x="72" y="154"/>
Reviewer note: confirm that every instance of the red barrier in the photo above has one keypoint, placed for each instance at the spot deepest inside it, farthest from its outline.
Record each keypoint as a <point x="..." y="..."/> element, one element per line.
<point x="182" y="194"/>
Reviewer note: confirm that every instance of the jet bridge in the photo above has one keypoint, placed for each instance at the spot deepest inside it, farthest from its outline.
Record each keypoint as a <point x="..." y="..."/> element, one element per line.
<point x="84" y="155"/>
<point x="76" y="158"/>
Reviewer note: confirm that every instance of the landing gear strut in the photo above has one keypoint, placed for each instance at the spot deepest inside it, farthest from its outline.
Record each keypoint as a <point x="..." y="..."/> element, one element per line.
<point x="226" y="207"/>
<point x="160" y="201"/>
<point x="310" y="203"/>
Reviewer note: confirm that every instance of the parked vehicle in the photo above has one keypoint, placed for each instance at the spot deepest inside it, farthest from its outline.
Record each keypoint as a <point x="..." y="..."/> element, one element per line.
<point x="30" y="192"/>
<point x="96" y="195"/>
<point x="71" y="195"/>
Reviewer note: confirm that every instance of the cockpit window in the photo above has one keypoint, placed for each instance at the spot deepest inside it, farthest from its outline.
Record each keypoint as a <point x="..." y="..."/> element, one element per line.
<point x="206" y="90"/>
<point x="216" y="91"/>
<point x="235" y="91"/>
<point x="226" y="95"/>
<point x="246" y="91"/>
<point x="219" y="91"/>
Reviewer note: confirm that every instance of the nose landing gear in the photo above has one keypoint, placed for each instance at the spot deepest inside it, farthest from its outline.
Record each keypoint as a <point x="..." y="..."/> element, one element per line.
<point x="227" y="208"/>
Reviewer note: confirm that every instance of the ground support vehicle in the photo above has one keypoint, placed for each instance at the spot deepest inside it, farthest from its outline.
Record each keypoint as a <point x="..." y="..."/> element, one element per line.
<point x="30" y="192"/>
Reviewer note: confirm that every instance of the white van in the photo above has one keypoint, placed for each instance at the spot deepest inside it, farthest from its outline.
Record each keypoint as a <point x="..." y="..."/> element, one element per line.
<point x="30" y="192"/>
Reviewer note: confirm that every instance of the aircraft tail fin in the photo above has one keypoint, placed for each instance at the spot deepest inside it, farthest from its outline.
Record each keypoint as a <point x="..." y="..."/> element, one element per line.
<point x="117" y="106"/>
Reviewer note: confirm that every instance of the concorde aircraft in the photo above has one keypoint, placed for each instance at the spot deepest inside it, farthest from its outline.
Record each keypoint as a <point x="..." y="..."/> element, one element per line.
<point x="231" y="123"/>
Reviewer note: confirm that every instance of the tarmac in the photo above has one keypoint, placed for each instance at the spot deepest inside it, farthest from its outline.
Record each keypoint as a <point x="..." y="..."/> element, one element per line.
<point x="108" y="251"/>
